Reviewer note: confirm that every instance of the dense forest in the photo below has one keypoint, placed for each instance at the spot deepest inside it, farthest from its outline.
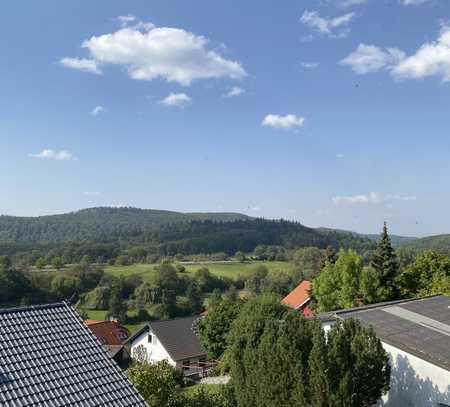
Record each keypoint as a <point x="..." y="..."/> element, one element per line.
<point x="109" y="232"/>
<point x="439" y="243"/>
<point x="102" y="223"/>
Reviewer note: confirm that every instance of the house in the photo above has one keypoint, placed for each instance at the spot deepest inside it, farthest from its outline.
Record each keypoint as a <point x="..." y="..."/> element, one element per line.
<point x="416" y="335"/>
<point x="48" y="357"/>
<point x="112" y="337"/>
<point x="174" y="340"/>
<point x="300" y="299"/>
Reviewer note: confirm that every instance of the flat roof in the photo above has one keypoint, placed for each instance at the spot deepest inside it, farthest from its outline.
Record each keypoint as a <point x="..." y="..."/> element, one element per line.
<point x="420" y="327"/>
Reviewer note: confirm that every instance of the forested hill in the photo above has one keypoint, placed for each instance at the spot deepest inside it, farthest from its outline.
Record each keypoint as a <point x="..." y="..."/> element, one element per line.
<point x="439" y="243"/>
<point x="165" y="233"/>
<point x="396" y="240"/>
<point x="100" y="223"/>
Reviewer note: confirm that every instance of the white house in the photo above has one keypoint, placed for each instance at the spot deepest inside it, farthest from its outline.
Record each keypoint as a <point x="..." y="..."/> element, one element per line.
<point x="173" y="340"/>
<point x="416" y="335"/>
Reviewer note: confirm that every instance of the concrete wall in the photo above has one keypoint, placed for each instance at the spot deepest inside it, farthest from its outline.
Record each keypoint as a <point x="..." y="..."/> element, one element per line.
<point x="415" y="382"/>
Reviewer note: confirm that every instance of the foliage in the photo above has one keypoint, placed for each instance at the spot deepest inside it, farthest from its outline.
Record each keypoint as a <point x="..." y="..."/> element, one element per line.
<point x="307" y="262"/>
<point x="40" y="263"/>
<point x="15" y="286"/>
<point x="58" y="262"/>
<point x="439" y="244"/>
<point x="106" y="233"/>
<point x="338" y="284"/>
<point x="358" y="371"/>
<point x="214" y="328"/>
<point x="116" y="306"/>
<point x="429" y="274"/>
<point x="279" y="358"/>
<point x="255" y="282"/>
<point x="329" y="256"/>
<point x="384" y="261"/>
<point x="157" y="382"/>
<point x="208" y="282"/>
<point x="203" y="398"/>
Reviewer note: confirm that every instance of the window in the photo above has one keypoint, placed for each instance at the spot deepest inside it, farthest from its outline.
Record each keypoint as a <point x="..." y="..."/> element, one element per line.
<point x="150" y="338"/>
<point x="122" y="335"/>
<point x="186" y="364"/>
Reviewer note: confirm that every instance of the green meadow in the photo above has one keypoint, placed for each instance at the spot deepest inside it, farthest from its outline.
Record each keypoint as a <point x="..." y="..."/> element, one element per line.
<point x="230" y="270"/>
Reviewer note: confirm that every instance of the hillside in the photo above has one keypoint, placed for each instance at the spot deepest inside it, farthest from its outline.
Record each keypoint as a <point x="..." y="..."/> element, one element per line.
<point x="439" y="243"/>
<point x="397" y="241"/>
<point x="97" y="224"/>
<point x="163" y="232"/>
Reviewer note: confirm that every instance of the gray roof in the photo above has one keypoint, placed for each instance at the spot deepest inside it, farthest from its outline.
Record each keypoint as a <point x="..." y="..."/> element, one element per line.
<point x="420" y="327"/>
<point x="177" y="336"/>
<point x="48" y="357"/>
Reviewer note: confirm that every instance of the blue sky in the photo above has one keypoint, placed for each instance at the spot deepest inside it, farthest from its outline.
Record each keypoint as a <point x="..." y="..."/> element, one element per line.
<point x="334" y="113"/>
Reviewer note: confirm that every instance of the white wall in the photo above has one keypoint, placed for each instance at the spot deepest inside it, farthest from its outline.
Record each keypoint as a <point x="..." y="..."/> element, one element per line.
<point x="415" y="382"/>
<point x="155" y="351"/>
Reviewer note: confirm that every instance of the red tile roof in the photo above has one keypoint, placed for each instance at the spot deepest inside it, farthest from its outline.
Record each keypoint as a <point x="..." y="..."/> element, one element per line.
<point x="299" y="296"/>
<point x="108" y="332"/>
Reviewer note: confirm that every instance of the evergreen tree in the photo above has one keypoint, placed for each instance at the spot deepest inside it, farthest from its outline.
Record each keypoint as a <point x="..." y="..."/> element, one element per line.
<point x="318" y="365"/>
<point x="384" y="261"/>
<point x="358" y="366"/>
<point x="330" y="256"/>
<point x="194" y="296"/>
<point x="117" y="308"/>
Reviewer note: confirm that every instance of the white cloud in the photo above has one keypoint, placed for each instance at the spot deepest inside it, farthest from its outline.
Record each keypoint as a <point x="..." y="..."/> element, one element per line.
<point x="177" y="100"/>
<point x="369" y="58"/>
<point x="350" y="3"/>
<point x="234" y="91"/>
<point x="431" y="59"/>
<point x="413" y="2"/>
<point x="81" y="64"/>
<point x="371" y="198"/>
<point x="340" y="155"/>
<point x="49" y="154"/>
<point x="310" y="65"/>
<point x="334" y="27"/>
<point x="283" y="122"/>
<point x="97" y="110"/>
<point x="125" y="20"/>
<point x="149" y="52"/>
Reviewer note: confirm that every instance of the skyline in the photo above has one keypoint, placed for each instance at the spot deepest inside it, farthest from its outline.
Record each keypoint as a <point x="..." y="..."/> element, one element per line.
<point x="331" y="113"/>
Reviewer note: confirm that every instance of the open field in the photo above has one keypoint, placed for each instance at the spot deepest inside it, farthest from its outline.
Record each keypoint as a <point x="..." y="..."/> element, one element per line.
<point x="230" y="270"/>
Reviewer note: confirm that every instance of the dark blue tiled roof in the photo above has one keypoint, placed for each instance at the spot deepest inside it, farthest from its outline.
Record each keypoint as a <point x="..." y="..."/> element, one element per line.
<point x="48" y="357"/>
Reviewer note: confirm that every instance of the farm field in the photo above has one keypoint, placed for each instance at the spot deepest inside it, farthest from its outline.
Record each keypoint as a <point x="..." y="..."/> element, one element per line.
<point x="221" y="269"/>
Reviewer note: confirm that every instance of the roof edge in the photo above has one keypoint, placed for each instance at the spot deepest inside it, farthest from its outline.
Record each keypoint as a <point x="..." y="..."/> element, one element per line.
<point x="333" y="315"/>
<point x="34" y="307"/>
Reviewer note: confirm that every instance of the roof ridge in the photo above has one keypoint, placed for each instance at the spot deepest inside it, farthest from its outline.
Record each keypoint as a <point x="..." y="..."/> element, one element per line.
<point x="33" y="307"/>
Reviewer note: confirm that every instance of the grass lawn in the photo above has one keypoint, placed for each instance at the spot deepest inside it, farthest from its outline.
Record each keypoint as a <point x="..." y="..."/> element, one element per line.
<point x="231" y="270"/>
<point x="147" y="271"/>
